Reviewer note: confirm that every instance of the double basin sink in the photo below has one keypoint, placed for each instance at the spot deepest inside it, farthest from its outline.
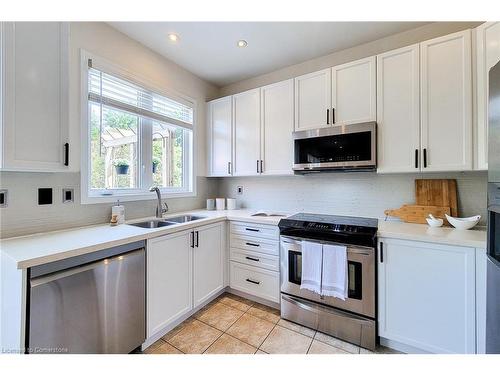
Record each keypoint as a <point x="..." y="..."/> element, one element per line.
<point x="158" y="223"/>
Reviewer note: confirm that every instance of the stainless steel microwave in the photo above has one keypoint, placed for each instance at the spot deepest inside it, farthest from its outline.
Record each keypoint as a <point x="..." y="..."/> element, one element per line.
<point x="343" y="148"/>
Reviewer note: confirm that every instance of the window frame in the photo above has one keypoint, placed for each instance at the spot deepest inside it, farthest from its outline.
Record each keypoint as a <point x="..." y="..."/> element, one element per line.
<point x="90" y="196"/>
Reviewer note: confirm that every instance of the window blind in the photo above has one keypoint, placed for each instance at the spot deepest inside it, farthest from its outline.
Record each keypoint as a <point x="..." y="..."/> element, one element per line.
<point x="112" y="91"/>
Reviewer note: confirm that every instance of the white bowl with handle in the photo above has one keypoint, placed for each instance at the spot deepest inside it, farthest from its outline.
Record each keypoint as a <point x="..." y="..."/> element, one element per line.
<point x="463" y="223"/>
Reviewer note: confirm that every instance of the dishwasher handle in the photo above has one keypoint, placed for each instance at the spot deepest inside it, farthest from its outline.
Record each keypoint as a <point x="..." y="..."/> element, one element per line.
<point x="79" y="269"/>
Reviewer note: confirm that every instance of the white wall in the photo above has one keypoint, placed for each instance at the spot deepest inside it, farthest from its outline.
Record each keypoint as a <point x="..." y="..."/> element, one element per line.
<point x="24" y="216"/>
<point x="357" y="193"/>
<point x="391" y="42"/>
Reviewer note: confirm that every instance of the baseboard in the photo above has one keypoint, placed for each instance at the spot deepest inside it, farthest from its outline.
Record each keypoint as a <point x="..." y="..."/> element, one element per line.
<point x="396" y="345"/>
<point x="253" y="298"/>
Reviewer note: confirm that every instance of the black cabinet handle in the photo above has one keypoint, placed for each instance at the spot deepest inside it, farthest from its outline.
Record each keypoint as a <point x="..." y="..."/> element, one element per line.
<point x="416" y="158"/>
<point x="328" y="117"/>
<point x="252" y="230"/>
<point x="257" y="166"/>
<point x="261" y="167"/>
<point x="197" y="239"/>
<point x="253" y="282"/>
<point x="254" y="259"/>
<point x="425" y="158"/>
<point x="66" y="154"/>
<point x="252" y="244"/>
<point x="228" y="167"/>
<point x="333" y="115"/>
<point x="192" y="240"/>
<point x="381" y="252"/>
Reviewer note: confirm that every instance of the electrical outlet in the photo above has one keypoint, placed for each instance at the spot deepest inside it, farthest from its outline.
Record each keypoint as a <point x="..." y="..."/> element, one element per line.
<point x="239" y="189"/>
<point x="3" y="198"/>
<point x="67" y="195"/>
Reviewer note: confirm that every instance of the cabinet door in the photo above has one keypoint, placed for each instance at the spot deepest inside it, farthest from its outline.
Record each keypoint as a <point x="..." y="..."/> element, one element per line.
<point x="277" y="128"/>
<point x="446" y="101"/>
<point x="487" y="55"/>
<point x="208" y="262"/>
<point x="313" y="100"/>
<point x="219" y="137"/>
<point x="427" y="296"/>
<point x="169" y="280"/>
<point x="35" y="126"/>
<point x="398" y="110"/>
<point x="246" y="150"/>
<point x="353" y="92"/>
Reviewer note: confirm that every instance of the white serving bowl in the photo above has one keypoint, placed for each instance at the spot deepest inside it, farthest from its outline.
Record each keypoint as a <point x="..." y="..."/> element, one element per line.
<point x="434" y="222"/>
<point x="463" y="222"/>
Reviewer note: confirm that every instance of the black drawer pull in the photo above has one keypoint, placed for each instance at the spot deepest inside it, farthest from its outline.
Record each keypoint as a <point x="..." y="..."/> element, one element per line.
<point x="425" y="158"/>
<point x="66" y="154"/>
<point x="254" y="259"/>
<point x="416" y="158"/>
<point x="253" y="282"/>
<point x="252" y="230"/>
<point x="252" y="244"/>
<point x="333" y="115"/>
<point x="328" y="117"/>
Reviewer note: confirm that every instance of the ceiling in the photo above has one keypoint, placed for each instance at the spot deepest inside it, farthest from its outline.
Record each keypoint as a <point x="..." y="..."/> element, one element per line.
<point x="209" y="50"/>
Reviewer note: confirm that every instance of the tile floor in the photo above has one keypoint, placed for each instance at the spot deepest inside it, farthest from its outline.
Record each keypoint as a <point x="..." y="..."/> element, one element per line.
<point x="233" y="325"/>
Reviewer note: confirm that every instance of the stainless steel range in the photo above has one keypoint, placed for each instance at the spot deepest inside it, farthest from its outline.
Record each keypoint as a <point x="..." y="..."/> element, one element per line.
<point x="352" y="319"/>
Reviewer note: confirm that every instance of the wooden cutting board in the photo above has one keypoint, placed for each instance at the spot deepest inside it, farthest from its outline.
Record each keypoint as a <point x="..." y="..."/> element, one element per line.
<point x="437" y="192"/>
<point x="412" y="213"/>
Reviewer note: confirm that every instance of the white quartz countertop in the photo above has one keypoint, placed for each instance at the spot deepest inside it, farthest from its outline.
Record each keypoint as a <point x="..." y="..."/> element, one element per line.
<point x="36" y="249"/>
<point x="422" y="232"/>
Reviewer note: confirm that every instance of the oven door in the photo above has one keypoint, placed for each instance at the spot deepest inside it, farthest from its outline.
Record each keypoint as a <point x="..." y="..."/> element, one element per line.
<point x="361" y="277"/>
<point x="339" y="147"/>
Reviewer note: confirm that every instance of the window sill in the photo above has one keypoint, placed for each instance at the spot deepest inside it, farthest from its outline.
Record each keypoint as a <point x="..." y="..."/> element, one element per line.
<point x="96" y="199"/>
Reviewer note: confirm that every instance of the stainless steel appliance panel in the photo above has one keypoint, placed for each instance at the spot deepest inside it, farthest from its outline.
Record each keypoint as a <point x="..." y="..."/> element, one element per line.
<point x="493" y="262"/>
<point x="95" y="308"/>
<point x="349" y="327"/>
<point x="344" y="147"/>
<point x="364" y="257"/>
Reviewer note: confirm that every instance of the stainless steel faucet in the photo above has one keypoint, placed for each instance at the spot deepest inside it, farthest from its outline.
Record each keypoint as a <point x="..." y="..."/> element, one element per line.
<point x="159" y="209"/>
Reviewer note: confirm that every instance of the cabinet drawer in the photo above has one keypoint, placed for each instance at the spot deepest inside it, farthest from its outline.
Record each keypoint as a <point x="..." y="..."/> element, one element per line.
<point x="255" y="230"/>
<point x="252" y="258"/>
<point x="255" y="244"/>
<point x="257" y="282"/>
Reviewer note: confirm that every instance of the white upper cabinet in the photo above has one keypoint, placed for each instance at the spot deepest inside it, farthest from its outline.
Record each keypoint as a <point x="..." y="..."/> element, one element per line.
<point x="487" y="55"/>
<point x="277" y="128"/>
<point x="313" y="100"/>
<point x="353" y="92"/>
<point x="446" y="103"/>
<point x="426" y="296"/>
<point x="398" y="110"/>
<point x="35" y="96"/>
<point x="208" y="262"/>
<point x="246" y="131"/>
<point x="219" y="130"/>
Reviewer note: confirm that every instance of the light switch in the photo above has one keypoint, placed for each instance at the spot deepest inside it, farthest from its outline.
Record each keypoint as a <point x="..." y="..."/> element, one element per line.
<point x="67" y="195"/>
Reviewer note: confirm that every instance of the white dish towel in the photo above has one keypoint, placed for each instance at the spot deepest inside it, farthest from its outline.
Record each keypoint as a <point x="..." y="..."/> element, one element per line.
<point x="311" y="266"/>
<point x="334" y="271"/>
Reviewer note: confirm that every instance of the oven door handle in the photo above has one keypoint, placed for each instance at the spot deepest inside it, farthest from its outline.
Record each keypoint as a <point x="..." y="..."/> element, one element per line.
<point x="331" y="310"/>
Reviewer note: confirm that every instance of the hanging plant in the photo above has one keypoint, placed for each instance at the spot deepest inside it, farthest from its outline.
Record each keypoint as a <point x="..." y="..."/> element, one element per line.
<point x="121" y="166"/>
<point x="156" y="164"/>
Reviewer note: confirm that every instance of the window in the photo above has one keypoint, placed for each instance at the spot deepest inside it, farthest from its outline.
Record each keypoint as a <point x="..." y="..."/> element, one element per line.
<point x="136" y="137"/>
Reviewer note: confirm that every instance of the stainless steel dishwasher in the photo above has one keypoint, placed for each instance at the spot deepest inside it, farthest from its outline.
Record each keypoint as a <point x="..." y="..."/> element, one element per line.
<point x="93" y="303"/>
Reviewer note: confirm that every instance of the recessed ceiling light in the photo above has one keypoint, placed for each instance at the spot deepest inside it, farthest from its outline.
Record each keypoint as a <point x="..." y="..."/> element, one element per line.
<point x="242" y="43"/>
<point x="173" y="37"/>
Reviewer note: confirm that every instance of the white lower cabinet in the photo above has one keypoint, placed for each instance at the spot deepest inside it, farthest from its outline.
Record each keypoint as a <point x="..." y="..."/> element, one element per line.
<point x="208" y="260"/>
<point x="169" y="280"/>
<point x="426" y="296"/>
<point x="184" y="270"/>
<point x="256" y="281"/>
<point x="254" y="260"/>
